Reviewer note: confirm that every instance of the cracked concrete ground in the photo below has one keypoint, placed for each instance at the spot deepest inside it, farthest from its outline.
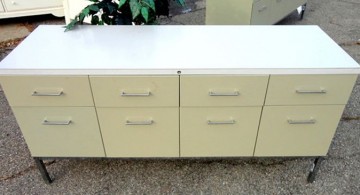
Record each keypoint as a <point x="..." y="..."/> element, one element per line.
<point x="339" y="173"/>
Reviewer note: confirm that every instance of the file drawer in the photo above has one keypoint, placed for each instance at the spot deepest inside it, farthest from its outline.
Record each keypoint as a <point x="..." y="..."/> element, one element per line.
<point x="261" y="12"/>
<point x="47" y="90"/>
<point x="60" y="132"/>
<point x="215" y="132"/>
<point x="140" y="132"/>
<point x="15" y="5"/>
<point x="222" y="90"/>
<point x="297" y="130"/>
<point x="309" y="89"/>
<point x="130" y="91"/>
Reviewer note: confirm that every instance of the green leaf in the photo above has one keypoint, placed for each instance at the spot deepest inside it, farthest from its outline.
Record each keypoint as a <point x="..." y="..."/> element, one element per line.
<point x="145" y="13"/>
<point x="94" y="8"/>
<point x="71" y="25"/>
<point x="121" y="3"/>
<point x="149" y="3"/>
<point x="95" y="20"/>
<point x="94" y="1"/>
<point x="81" y="17"/>
<point x="135" y="8"/>
<point x="181" y="2"/>
<point x="85" y="11"/>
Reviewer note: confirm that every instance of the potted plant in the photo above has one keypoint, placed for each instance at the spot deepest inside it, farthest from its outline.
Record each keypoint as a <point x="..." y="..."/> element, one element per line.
<point x="123" y="12"/>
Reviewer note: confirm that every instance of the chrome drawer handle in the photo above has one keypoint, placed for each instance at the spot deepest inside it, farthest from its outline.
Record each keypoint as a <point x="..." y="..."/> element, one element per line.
<point x="36" y="93"/>
<point x="235" y="93"/>
<point x="124" y="94"/>
<point x="295" y="122"/>
<point x="149" y="122"/>
<point x="321" y="91"/>
<point x="229" y="122"/>
<point x="46" y="122"/>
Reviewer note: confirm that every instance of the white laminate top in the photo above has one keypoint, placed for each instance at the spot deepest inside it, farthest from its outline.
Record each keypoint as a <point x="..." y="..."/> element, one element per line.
<point x="139" y="50"/>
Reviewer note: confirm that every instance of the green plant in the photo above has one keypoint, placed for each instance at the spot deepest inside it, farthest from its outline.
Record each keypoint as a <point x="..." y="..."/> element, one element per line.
<point x="123" y="12"/>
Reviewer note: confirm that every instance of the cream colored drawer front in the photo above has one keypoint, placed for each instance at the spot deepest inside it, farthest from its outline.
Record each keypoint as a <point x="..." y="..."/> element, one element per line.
<point x="48" y="133"/>
<point x="129" y="91"/>
<point x="223" y="90"/>
<point x="15" y="5"/>
<point x="140" y="132"/>
<point x="297" y="130"/>
<point x="212" y="132"/>
<point x="261" y="12"/>
<point x="228" y="12"/>
<point x="47" y="91"/>
<point x="309" y="89"/>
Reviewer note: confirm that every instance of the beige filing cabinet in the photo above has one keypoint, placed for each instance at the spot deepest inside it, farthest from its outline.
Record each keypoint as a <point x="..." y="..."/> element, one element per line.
<point x="255" y="12"/>
<point x="212" y="103"/>
<point x="18" y="8"/>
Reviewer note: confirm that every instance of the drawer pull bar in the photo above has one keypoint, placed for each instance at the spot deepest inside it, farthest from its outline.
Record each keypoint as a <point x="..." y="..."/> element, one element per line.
<point x="295" y="122"/>
<point x="36" y="93"/>
<point x="150" y="122"/>
<point x="230" y="122"/>
<point x="46" y="122"/>
<point x="235" y="93"/>
<point x="321" y="91"/>
<point x="124" y="94"/>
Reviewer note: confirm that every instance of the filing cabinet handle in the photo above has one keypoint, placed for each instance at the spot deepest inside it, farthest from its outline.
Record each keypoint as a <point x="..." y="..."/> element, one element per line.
<point x="230" y="122"/>
<point x="235" y="93"/>
<point x="36" y="93"/>
<point x="149" y="122"/>
<point x="124" y="94"/>
<point x="46" y="122"/>
<point x="295" y="122"/>
<point x="321" y="91"/>
<point x="262" y="9"/>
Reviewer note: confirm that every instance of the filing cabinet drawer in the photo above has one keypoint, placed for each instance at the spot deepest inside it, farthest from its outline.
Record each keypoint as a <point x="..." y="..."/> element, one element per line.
<point x="309" y="89"/>
<point x="222" y="90"/>
<point x="130" y="91"/>
<point x="140" y="132"/>
<point x="60" y="132"/>
<point x="47" y="91"/>
<point x="261" y="12"/>
<point x="215" y="132"/>
<point x="15" y="5"/>
<point x="297" y="130"/>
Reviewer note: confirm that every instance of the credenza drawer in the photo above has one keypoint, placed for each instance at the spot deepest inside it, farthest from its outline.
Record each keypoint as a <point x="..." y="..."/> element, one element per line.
<point x="15" y="5"/>
<point x="212" y="132"/>
<point x="297" y="130"/>
<point x="309" y="89"/>
<point x="60" y="131"/>
<point x="47" y="90"/>
<point x="140" y="132"/>
<point x="222" y="90"/>
<point x="131" y="91"/>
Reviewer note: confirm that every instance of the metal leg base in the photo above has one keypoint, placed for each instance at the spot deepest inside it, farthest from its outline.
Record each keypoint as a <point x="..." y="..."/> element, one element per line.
<point x="303" y="8"/>
<point x="314" y="169"/>
<point x="44" y="173"/>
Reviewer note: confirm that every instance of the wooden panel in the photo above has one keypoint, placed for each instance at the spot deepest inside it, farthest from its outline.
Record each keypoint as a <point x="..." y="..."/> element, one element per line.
<point x="47" y="90"/>
<point x="262" y="12"/>
<point x="223" y="90"/>
<point x="309" y="89"/>
<point x="15" y="5"/>
<point x="212" y="132"/>
<point x="228" y="12"/>
<point x="140" y="132"/>
<point x="54" y="137"/>
<point x="128" y="91"/>
<point x="297" y="130"/>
